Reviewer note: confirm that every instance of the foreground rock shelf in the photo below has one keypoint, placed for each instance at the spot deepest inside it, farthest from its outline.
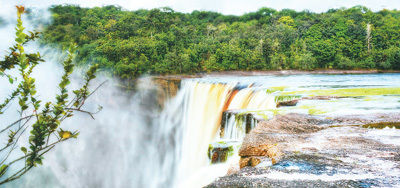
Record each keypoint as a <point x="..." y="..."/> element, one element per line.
<point x="296" y="150"/>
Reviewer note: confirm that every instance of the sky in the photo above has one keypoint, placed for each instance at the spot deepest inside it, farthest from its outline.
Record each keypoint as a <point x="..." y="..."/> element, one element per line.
<point x="235" y="7"/>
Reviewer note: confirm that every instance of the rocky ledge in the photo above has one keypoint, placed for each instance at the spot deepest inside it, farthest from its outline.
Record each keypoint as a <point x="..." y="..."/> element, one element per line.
<point x="296" y="150"/>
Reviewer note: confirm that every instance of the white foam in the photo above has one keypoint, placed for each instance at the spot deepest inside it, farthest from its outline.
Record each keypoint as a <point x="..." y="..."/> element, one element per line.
<point x="305" y="176"/>
<point x="385" y="136"/>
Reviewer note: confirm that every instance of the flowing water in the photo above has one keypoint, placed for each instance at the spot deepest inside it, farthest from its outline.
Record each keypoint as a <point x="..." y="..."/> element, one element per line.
<point x="134" y="144"/>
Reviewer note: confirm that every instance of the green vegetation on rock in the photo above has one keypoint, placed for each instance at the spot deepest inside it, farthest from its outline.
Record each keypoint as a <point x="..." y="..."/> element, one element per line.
<point x="282" y="98"/>
<point x="275" y="89"/>
<point x="312" y="110"/>
<point x="220" y="151"/>
<point x="348" y="92"/>
<point x="383" y="125"/>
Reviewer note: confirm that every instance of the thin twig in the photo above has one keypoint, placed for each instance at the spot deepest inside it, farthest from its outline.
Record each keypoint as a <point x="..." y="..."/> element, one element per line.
<point x="8" y="127"/>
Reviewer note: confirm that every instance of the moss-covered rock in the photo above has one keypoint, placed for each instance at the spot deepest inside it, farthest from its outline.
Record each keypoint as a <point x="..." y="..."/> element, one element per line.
<point x="382" y="125"/>
<point x="245" y="119"/>
<point x="347" y="92"/>
<point x="220" y="151"/>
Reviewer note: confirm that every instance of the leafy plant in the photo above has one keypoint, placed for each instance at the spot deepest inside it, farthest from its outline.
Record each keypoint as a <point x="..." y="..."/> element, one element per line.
<point x="43" y="119"/>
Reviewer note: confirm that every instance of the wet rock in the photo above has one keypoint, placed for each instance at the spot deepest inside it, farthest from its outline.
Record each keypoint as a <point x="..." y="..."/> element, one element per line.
<point x="287" y="103"/>
<point x="167" y="88"/>
<point x="249" y="161"/>
<point x="252" y="155"/>
<point x="272" y="133"/>
<point x="267" y="138"/>
<point x="295" y="101"/>
<point x="226" y="115"/>
<point x="253" y="177"/>
<point x="220" y="151"/>
<point x="311" y="164"/>
<point x="258" y="150"/>
<point x="291" y="123"/>
<point x="315" y="151"/>
<point x="302" y="170"/>
<point x="323" y="97"/>
<point x="245" y="119"/>
<point x="244" y="161"/>
<point x="365" y="119"/>
<point x="382" y="125"/>
<point x="233" y="170"/>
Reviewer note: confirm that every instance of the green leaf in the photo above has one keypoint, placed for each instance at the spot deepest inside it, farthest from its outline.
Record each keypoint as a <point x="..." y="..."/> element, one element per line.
<point x="23" y="149"/>
<point x="11" y="80"/>
<point x="76" y="134"/>
<point x="3" y="169"/>
<point x="38" y="161"/>
<point x="21" y="102"/>
<point x="24" y="107"/>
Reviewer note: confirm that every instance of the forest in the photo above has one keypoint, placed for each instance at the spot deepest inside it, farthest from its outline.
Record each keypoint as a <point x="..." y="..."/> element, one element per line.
<point x="163" y="41"/>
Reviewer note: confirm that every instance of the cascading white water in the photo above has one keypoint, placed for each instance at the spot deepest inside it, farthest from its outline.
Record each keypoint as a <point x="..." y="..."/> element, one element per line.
<point x="133" y="144"/>
<point x="234" y="128"/>
<point x="251" y="99"/>
<point x="236" y="125"/>
<point x="204" y="105"/>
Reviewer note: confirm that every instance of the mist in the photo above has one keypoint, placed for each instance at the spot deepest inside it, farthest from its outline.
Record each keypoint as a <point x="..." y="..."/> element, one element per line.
<point x="119" y="148"/>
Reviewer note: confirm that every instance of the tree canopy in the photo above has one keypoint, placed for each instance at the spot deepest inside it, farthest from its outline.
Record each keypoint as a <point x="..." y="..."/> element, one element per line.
<point x="163" y="41"/>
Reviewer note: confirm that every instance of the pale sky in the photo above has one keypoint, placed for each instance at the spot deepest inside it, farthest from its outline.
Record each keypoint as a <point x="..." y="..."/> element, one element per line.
<point x="236" y="7"/>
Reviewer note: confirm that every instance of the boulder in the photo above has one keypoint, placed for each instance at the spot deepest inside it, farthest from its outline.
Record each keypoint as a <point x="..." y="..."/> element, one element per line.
<point x="220" y="151"/>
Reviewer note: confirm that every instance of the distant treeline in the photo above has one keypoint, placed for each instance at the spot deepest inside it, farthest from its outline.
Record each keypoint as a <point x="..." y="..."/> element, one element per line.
<point x="162" y="41"/>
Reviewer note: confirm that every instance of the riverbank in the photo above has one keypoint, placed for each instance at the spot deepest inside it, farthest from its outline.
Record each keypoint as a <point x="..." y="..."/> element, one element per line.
<point x="274" y="73"/>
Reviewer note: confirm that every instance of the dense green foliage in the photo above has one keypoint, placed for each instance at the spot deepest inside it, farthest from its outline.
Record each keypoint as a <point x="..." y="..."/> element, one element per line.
<point x="41" y="120"/>
<point x="130" y="43"/>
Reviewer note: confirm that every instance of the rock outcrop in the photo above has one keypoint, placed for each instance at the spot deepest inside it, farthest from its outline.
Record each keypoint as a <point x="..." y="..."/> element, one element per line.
<point x="167" y="88"/>
<point x="297" y="150"/>
<point x="269" y="137"/>
<point x="220" y="151"/>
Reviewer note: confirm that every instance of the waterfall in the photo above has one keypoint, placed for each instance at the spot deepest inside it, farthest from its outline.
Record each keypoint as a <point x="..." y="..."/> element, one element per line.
<point x="248" y="98"/>
<point x="233" y="129"/>
<point x="134" y="144"/>
<point x="203" y="106"/>
<point x="236" y="126"/>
